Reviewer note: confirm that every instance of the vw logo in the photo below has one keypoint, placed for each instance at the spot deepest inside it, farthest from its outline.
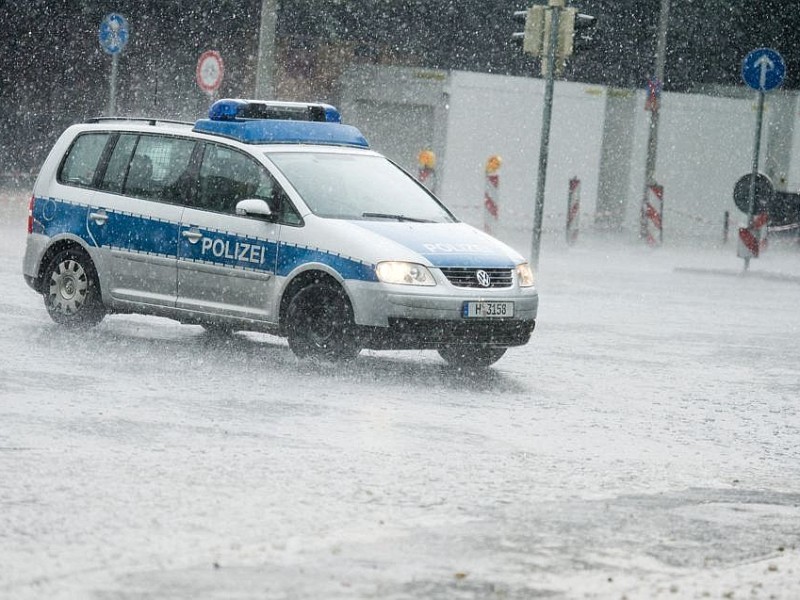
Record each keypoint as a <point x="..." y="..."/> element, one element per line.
<point x="483" y="278"/>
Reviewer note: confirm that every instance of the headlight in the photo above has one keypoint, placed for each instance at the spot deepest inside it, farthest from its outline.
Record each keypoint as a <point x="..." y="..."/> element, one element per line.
<point x="404" y="273"/>
<point x="524" y="275"/>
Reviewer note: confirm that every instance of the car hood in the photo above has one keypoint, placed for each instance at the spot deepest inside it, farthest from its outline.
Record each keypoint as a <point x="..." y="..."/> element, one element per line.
<point x="446" y="244"/>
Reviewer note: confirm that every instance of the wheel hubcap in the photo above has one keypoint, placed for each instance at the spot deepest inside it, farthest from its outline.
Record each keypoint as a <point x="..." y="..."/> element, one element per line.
<point x="68" y="287"/>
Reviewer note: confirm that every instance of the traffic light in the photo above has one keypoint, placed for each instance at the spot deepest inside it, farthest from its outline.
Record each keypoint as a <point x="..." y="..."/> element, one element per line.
<point x="584" y="28"/>
<point x="573" y="26"/>
<point x="566" y="31"/>
<point x="532" y="38"/>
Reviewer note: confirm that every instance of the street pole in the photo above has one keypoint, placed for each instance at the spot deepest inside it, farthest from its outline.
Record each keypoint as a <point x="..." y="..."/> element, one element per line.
<point x="265" y="69"/>
<point x="652" y="138"/>
<point x="112" y="94"/>
<point x="754" y="172"/>
<point x="544" y="145"/>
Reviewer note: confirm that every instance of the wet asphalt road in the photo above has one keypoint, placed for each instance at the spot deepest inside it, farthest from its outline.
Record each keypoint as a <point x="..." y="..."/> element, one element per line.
<point x="645" y="444"/>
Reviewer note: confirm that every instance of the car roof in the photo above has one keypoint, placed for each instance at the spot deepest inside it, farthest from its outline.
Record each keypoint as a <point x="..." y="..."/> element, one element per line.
<point x="253" y="123"/>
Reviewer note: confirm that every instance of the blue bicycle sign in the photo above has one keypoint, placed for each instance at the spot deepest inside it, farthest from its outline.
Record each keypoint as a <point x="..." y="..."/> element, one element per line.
<point x="114" y="33"/>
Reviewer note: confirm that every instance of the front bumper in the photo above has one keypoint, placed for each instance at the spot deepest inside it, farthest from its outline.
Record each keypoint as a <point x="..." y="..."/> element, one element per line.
<point x="404" y="317"/>
<point x="420" y="334"/>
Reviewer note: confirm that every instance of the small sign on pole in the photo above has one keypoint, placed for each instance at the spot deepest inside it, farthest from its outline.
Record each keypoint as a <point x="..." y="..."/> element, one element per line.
<point x="210" y="70"/>
<point x="113" y="35"/>
<point x="653" y="100"/>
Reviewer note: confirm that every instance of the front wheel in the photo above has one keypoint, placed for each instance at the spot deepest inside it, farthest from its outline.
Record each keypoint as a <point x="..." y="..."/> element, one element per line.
<point x="71" y="292"/>
<point x="320" y="323"/>
<point x="474" y="356"/>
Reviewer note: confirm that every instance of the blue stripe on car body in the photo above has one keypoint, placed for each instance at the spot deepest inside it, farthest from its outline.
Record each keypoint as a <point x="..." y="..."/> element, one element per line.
<point x="147" y="235"/>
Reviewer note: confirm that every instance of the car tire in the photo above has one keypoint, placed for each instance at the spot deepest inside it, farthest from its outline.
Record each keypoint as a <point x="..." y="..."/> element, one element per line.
<point x="71" y="290"/>
<point x="320" y="323"/>
<point x="471" y="356"/>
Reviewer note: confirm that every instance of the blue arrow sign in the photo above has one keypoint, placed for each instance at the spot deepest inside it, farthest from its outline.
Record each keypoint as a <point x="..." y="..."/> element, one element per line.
<point x="113" y="33"/>
<point x="763" y="69"/>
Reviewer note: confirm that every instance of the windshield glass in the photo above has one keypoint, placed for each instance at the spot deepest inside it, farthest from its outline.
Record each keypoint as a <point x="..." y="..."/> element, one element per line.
<point x="350" y="186"/>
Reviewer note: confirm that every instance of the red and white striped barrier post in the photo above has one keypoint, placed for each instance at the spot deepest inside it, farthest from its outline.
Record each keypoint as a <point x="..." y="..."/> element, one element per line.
<point x="753" y="239"/>
<point x="726" y="225"/>
<point x="652" y="215"/>
<point x="491" y="193"/>
<point x="573" y="210"/>
<point x="427" y="169"/>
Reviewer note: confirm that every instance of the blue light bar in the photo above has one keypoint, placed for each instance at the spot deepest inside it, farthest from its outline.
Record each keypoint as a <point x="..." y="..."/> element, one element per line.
<point x="259" y="122"/>
<point x="231" y="109"/>
<point x="275" y="131"/>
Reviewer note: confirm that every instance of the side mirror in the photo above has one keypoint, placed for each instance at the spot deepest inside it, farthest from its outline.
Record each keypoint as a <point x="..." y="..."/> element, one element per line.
<point x="253" y="207"/>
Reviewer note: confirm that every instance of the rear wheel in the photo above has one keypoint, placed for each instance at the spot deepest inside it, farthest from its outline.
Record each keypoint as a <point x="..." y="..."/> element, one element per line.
<point x="71" y="291"/>
<point x="474" y="356"/>
<point x="320" y="323"/>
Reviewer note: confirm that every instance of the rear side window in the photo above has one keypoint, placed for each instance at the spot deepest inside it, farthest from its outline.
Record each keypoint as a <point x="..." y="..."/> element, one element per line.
<point x="114" y="177"/>
<point x="160" y="169"/>
<point x="80" y="165"/>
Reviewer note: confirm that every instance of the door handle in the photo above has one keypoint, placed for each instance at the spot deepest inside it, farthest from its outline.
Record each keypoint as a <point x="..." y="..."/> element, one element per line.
<point x="100" y="217"/>
<point x="192" y="235"/>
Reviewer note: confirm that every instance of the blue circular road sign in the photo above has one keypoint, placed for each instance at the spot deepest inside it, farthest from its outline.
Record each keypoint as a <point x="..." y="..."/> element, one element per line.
<point x="763" y="69"/>
<point x="114" y="33"/>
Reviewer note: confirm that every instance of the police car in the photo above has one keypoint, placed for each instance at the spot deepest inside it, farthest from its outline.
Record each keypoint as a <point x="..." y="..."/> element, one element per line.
<point x="272" y="217"/>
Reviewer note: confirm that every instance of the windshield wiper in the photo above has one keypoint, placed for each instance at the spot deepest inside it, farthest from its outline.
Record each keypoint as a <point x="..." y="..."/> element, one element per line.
<point x="373" y="215"/>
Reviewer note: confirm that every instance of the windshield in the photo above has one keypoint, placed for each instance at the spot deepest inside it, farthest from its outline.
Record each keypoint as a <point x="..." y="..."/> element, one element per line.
<point x="351" y="186"/>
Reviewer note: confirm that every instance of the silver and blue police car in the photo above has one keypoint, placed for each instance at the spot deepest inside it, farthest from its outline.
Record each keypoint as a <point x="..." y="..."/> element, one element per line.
<point x="273" y="217"/>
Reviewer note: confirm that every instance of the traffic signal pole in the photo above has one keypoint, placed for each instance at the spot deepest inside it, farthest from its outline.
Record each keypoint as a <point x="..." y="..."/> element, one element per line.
<point x="555" y="7"/>
<point x="543" y="38"/>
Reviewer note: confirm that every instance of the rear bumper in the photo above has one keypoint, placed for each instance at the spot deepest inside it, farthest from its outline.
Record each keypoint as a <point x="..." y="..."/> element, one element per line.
<point x="35" y="247"/>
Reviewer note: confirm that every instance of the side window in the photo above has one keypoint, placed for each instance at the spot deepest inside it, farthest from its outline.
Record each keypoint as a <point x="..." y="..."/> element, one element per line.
<point x="227" y="176"/>
<point x="160" y="169"/>
<point x="114" y="177"/>
<point x="80" y="165"/>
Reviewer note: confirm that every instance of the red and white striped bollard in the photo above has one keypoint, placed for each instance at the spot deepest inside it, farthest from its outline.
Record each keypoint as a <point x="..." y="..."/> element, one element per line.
<point x="653" y="211"/>
<point x="573" y="210"/>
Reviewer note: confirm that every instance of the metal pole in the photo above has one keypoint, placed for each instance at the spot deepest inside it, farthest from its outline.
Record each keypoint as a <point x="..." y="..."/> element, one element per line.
<point x="544" y="145"/>
<point x="112" y="94"/>
<point x="652" y="139"/>
<point x="754" y="173"/>
<point x="265" y="69"/>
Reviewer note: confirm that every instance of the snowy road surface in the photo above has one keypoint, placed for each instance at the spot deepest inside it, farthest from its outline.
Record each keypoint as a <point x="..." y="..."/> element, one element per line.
<point x="645" y="444"/>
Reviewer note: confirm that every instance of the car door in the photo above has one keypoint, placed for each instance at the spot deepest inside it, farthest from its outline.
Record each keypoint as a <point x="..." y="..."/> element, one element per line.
<point x="137" y="213"/>
<point x="226" y="262"/>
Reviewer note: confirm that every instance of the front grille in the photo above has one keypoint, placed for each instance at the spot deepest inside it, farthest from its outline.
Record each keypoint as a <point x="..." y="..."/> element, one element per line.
<point x="467" y="277"/>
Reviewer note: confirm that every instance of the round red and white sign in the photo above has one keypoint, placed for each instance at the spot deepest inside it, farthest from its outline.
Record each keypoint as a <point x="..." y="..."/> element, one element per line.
<point x="210" y="70"/>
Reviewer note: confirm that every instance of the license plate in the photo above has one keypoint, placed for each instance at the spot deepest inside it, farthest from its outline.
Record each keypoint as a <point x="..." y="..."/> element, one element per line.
<point x="487" y="310"/>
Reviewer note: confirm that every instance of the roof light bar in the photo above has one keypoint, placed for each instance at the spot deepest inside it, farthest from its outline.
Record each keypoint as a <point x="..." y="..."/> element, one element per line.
<point x="232" y="109"/>
<point x="271" y="131"/>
